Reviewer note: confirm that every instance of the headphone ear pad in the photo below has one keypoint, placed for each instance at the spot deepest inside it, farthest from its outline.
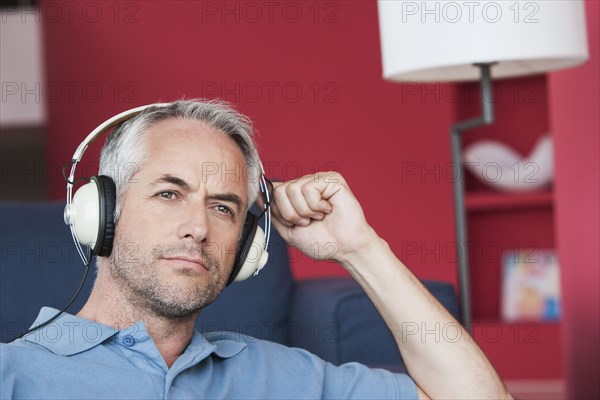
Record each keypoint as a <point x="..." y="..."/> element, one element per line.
<point x="256" y="258"/>
<point x="250" y="255"/>
<point x="107" y="198"/>
<point x="248" y="231"/>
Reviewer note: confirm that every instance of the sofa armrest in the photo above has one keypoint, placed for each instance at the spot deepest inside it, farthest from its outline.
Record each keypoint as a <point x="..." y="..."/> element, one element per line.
<point x="334" y="319"/>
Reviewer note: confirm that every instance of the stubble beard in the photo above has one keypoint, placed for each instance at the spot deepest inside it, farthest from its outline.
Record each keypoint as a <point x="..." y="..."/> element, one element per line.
<point x="140" y="275"/>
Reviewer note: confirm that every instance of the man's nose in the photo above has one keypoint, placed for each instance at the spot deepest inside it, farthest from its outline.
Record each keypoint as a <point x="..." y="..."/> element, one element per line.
<point x="194" y="223"/>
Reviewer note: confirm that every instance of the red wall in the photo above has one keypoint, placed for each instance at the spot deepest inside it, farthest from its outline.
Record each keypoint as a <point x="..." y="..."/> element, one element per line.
<point x="574" y="105"/>
<point x="380" y="135"/>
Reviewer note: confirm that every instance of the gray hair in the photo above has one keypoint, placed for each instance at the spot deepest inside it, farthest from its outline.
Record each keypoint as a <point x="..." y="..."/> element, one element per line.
<point x="125" y="149"/>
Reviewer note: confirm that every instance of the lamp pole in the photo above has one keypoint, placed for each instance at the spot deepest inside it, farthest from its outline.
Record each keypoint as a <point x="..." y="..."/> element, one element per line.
<point x="456" y="131"/>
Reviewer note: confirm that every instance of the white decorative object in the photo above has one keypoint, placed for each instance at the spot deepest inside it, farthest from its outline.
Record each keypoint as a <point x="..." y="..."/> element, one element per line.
<point x="501" y="167"/>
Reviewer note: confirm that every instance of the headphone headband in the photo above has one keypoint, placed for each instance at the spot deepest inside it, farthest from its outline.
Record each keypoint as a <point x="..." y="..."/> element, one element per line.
<point x="109" y="123"/>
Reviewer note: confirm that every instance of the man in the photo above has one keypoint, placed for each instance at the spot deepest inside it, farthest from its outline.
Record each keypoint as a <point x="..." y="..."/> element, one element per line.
<point x="144" y="307"/>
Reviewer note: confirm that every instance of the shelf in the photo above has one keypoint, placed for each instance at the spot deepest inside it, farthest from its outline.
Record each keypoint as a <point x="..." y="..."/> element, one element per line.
<point x="522" y="350"/>
<point x="491" y="201"/>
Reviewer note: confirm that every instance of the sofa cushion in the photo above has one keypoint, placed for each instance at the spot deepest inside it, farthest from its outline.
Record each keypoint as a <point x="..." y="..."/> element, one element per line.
<point x="40" y="265"/>
<point x="336" y="320"/>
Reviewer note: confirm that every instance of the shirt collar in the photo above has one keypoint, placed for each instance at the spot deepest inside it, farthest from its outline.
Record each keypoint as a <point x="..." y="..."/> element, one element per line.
<point x="226" y="344"/>
<point x="70" y="334"/>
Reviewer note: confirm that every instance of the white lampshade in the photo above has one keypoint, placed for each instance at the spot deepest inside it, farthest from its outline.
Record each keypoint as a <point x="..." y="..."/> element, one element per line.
<point x="441" y="40"/>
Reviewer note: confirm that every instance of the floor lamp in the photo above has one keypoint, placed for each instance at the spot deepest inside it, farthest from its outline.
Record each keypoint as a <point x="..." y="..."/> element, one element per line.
<point x="448" y="41"/>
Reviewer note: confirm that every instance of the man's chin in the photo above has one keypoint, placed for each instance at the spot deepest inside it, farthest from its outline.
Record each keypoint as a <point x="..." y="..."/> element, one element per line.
<point x="184" y="296"/>
<point x="175" y="312"/>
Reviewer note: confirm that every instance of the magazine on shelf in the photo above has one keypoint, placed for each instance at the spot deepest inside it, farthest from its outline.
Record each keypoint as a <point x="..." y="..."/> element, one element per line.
<point x="530" y="285"/>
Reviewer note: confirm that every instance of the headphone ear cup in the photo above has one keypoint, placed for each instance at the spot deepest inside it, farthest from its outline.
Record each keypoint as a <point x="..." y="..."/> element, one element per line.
<point x="83" y="213"/>
<point x="250" y="255"/>
<point x="92" y="214"/>
<point x="256" y="258"/>
<point x="107" y="199"/>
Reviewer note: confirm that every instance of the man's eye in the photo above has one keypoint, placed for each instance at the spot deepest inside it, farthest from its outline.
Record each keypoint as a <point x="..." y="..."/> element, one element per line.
<point x="167" y="195"/>
<point x="224" y="209"/>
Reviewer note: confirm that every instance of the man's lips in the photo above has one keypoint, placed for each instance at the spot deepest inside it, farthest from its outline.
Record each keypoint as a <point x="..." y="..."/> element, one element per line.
<point x="189" y="262"/>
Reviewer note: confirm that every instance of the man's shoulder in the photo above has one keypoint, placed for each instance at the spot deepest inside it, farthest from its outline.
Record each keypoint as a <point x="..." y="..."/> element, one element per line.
<point x="20" y="346"/>
<point x="294" y="365"/>
<point x="22" y="354"/>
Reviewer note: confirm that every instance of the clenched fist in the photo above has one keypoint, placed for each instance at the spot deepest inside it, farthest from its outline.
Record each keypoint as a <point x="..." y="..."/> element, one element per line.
<point x="319" y="215"/>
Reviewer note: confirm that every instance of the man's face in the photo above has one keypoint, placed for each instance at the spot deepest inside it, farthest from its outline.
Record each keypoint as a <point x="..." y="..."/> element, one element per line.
<point x="181" y="219"/>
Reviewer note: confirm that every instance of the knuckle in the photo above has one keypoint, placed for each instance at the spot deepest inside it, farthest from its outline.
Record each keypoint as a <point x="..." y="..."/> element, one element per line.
<point x="292" y="189"/>
<point x="279" y="191"/>
<point x="336" y="175"/>
<point x="288" y="215"/>
<point x="306" y="189"/>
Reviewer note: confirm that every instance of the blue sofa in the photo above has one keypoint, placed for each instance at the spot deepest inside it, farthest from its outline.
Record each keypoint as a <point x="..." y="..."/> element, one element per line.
<point x="332" y="318"/>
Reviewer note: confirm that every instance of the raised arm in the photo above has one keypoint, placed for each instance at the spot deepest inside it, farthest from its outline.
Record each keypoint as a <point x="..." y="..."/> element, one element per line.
<point x="320" y="210"/>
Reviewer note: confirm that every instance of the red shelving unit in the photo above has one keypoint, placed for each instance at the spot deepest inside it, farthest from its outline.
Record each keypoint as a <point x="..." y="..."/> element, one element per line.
<point x="491" y="201"/>
<point x="499" y="222"/>
<point x="522" y="349"/>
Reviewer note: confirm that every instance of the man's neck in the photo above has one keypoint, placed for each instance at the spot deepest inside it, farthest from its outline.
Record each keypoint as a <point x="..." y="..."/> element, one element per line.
<point x="112" y="304"/>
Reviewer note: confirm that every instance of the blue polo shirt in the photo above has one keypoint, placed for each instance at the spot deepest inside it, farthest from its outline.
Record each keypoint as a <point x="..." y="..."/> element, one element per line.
<point x="74" y="358"/>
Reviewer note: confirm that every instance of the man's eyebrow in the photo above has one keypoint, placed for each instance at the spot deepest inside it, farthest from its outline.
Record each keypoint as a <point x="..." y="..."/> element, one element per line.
<point x="229" y="197"/>
<point x="173" y="180"/>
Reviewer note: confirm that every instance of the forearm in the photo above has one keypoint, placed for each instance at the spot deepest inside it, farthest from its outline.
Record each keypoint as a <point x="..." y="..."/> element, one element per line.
<point x="449" y="365"/>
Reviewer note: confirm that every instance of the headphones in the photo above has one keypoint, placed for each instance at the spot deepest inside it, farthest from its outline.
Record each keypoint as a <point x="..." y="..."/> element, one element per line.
<point x="90" y="212"/>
